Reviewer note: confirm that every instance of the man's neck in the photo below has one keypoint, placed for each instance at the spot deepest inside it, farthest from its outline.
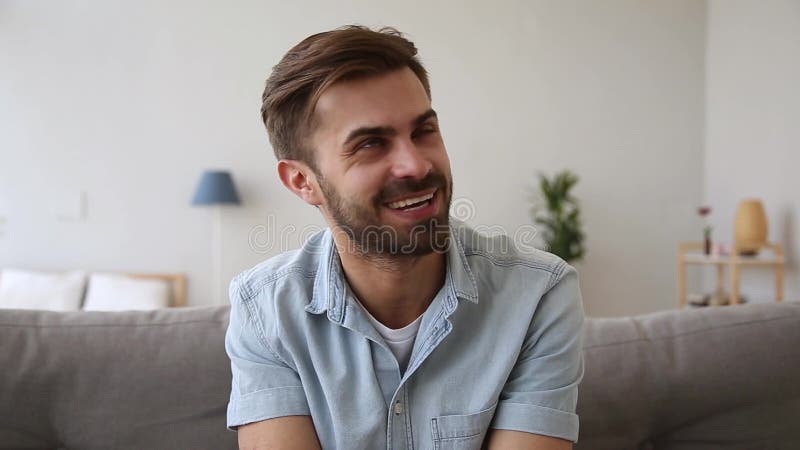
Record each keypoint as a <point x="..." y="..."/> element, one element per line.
<point x="394" y="289"/>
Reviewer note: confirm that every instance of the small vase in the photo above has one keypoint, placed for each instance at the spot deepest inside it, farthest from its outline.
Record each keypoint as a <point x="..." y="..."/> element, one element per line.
<point x="750" y="227"/>
<point x="707" y="246"/>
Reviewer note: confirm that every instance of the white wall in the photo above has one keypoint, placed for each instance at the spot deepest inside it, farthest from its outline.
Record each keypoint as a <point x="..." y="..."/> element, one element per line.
<point x="130" y="101"/>
<point x="753" y="125"/>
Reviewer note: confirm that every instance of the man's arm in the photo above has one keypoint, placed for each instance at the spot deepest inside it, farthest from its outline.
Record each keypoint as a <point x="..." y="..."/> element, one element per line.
<point x="268" y="407"/>
<point x="281" y="433"/>
<point x="520" y="440"/>
<point x="538" y="401"/>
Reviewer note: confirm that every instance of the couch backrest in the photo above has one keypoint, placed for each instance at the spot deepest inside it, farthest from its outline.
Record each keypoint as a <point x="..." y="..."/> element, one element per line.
<point x="114" y="380"/>
<point x="716" y="377"/>
<point x="719" y="377"/>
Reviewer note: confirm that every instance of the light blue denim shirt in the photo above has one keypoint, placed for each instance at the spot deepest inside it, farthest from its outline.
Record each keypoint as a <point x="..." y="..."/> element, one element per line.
<point x="500" y="346"/>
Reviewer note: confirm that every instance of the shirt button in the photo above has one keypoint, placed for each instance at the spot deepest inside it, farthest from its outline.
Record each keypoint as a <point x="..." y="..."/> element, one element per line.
<point x="398" y="408"/>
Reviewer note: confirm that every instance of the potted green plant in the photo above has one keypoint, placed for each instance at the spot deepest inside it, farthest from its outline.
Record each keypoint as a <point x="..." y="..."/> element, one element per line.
<point x="557" y="213"/>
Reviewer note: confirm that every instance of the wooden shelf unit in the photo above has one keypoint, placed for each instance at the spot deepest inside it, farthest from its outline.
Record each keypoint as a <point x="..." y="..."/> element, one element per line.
<point x="690" y="253"/>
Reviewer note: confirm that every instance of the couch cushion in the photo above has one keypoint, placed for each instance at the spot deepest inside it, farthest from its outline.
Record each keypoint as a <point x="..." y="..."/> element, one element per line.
<point x="101" y="380"/>
<point x="27" y="289"/>
<point x="717" y="377"/>
<point x="114" y="292"/>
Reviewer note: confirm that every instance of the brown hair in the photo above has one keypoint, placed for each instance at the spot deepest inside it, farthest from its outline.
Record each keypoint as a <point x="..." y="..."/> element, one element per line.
<point x="313" y="65"/>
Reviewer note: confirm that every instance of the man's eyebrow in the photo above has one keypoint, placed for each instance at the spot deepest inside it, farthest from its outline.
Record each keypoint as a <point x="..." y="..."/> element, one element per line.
<point x="420" y="119"/>
<point x="386" y="131"/>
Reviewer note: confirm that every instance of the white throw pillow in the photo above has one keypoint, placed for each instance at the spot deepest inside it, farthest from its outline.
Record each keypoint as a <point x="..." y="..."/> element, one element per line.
<point x="113" y="292"/>
<point x="25" y="289"/>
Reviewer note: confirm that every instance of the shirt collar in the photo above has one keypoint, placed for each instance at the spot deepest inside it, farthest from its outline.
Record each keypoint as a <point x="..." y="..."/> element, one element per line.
<point x="329" y="288"/>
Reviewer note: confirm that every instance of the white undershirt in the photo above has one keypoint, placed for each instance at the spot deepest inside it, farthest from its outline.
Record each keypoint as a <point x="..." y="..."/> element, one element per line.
<point x="400" y="340"/>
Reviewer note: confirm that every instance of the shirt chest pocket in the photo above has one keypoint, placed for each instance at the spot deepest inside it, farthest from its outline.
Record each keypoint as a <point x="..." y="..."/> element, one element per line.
<point x="461" y="432"/>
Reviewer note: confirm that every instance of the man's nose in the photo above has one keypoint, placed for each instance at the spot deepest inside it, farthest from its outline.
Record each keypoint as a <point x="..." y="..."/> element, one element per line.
<point x="409" y="161"/>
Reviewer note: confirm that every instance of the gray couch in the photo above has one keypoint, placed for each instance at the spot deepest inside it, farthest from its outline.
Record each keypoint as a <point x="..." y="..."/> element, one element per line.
<point x="718" y="377"/>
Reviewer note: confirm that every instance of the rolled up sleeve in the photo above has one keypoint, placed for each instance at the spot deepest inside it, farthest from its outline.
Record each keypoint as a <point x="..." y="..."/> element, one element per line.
<point x="264" y="385"/>
<point x="541" y="393"/>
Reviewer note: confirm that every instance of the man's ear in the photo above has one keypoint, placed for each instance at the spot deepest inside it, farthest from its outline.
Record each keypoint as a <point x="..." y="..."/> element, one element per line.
<point x="298" y="177"/>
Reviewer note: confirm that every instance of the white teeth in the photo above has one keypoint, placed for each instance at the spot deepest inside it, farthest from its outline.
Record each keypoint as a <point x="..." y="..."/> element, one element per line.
<point x="409" y="201"/>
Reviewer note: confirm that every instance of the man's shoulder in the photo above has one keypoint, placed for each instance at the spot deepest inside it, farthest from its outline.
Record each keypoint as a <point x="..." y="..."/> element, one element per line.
<point x="499" y="249"/>
<point x="296" y="267"/>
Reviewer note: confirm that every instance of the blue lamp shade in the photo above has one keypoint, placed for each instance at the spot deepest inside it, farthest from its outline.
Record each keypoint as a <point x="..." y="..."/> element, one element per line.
<point x="216" y="186"/>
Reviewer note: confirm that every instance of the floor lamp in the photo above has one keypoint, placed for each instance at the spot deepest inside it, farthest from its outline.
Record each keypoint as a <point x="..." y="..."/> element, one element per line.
<point x="215" y="189"/>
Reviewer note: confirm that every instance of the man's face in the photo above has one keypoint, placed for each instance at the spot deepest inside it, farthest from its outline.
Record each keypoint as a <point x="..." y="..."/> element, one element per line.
<point x="377" y="147"/>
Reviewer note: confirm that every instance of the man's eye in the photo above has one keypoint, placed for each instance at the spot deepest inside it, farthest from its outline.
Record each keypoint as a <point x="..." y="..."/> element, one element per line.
<point x="425" y="129"/>
<point x="371" y="143"/>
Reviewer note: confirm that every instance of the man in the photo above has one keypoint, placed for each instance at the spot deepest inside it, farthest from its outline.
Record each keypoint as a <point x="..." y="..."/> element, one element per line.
<point x="397" y="327"/>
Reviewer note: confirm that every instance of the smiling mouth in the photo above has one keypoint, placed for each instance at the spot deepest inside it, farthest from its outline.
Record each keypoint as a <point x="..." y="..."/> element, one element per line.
<point x="411" y="203"/>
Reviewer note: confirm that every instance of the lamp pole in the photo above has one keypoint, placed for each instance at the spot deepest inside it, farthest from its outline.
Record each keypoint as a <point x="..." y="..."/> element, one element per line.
<point x="216" y="242"/>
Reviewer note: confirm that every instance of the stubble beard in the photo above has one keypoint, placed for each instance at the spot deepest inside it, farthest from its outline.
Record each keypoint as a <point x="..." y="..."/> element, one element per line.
<point x="372" y="239"/>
